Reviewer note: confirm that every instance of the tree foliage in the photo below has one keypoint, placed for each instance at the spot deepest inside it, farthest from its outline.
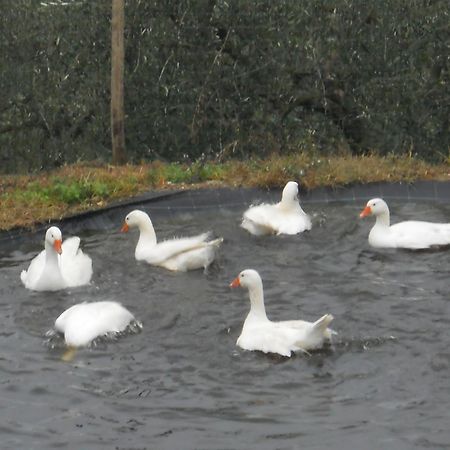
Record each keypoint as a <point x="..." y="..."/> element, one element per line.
<point x="219" y="79"/>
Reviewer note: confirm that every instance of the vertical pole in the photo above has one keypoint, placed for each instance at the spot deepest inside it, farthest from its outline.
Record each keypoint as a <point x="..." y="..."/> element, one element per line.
<point x="117" y="87"/>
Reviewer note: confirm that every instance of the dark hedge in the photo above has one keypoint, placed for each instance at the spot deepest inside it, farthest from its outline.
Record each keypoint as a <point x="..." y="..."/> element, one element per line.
<point x="217" y="79"/>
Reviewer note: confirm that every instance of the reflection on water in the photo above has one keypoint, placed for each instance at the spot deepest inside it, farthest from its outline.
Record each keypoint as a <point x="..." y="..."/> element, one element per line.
<point x="182" y="383"/>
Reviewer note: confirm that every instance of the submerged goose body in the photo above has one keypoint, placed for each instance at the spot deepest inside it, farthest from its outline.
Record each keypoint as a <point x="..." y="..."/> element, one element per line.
<point x="411" y="234"/>
<point x="285" y="217"/>
<point x="59" y="266"/>
<point x="82" y="323"/>
<point x="181" y="254"/>
<point x="284" y="337"/>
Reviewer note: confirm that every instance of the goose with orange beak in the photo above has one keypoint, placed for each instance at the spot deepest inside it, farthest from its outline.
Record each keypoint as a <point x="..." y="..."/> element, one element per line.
<point x="282" y="338"/>
<point x="59" y="266"/>
<point x="411" y="234"/>
<point x="178" y="254"/>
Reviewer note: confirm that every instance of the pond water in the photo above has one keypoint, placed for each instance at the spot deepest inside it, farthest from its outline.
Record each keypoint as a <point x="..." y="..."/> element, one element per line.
<point x="183" y="384"/>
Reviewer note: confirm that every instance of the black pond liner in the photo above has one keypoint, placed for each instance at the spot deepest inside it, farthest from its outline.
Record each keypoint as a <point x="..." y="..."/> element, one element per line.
<point x="206" y="198"/>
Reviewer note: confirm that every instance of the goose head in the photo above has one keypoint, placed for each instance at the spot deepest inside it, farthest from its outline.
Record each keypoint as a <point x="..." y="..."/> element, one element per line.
<point x="290" y="193"/>
<point x="251" y="280"/>
<point x="247" y="278"/>
<point x="376" y="206"/>
<point x="53" y="238"/>
<point x="136" y="218"/>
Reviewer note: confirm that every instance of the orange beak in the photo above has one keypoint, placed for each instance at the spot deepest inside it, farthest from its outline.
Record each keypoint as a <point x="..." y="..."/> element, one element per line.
<point x="125" y="228"/>
<point x="367" y="211"/>
<point x="235" y="283"/>
<point x="57" y="245"/>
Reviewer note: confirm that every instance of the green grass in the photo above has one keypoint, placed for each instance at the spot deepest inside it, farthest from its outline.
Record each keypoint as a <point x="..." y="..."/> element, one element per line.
<point x="60" y="192"/>
<point x="25" y="200"/>
<point x="76" y="191"/>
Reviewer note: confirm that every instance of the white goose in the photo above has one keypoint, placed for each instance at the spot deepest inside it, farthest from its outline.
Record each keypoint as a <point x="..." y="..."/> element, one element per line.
<point x="285" y="337"/>
<point x="174" y="254"/>
<point x="285" y="217"/>
<point x="83" y="323"/>
<point x="59" y="266"/>
<point x="410" y="234"/>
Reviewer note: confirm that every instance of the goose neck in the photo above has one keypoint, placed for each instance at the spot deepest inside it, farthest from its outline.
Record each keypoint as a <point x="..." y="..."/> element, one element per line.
<point x="257" y="307"/>
<point x="51" y="257"/>
<point x="288" y="205"/>
<point x="383" y="219"/>
<point x="147" y="234"/>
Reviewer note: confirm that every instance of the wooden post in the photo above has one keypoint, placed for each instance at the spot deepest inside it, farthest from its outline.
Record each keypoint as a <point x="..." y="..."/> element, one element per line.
<point x="117" y="90"/>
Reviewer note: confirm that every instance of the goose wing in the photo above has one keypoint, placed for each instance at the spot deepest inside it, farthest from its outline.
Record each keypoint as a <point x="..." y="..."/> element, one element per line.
<point x="76" y="266"/>
<point x="166" y="250"/>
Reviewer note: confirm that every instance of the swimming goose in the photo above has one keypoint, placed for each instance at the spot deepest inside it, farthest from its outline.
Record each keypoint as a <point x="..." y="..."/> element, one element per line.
<point x="285" y="217"/>
<point x="175" y="254"/>
<point x="410" y="234"/>
<point x="84" y="322"/>
<point x="60" y="265"/>
<point x="283" y="338"/>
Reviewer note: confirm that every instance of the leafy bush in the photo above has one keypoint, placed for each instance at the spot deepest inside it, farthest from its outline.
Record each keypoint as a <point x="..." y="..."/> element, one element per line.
<point x="215" y="80"/>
